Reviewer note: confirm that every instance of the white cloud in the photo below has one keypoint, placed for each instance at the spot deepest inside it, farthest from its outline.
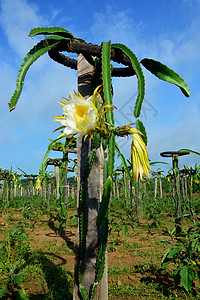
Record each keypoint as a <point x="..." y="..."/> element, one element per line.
<point x="18" y="17"/>
<point x="46" y="81"/>
<point x="111" y="24"/>
<point x="178" y="127"/>
<point x="30" y="125"/>
<point x="38" y="101"/>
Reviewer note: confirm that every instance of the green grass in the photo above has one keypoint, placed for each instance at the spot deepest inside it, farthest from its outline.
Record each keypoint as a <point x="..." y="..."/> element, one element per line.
<point x="135" y="250"/>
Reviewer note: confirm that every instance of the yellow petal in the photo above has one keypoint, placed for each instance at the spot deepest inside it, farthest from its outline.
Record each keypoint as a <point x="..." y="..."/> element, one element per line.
<point x="79" y="95"/>
<point x="96" y="93"/>
<point x="62" y="103"/>
<point x="86" y="136"/>
<point x="65" y="99"/>
<point x="139" y="156"/>
<point x="59" y="117"/>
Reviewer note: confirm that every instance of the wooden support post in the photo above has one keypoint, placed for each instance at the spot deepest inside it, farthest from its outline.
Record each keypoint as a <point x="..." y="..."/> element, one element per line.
<point x="73" y="194"/>
<point x="161" y="193"/>
<point x="31" y="191"/>
<point x="44" y="192"/>
<point x="49" y="193"/>
<point x="117" y="187"/>
<point x="113" y="191"/>
<point x="155" y="186"/>
<point x="8" y="192"/>
<point x="94" y="190"/>
<point x="15" y="190"/>
<point x="138" y="199"/>
<point x="129" y="188"/>
<point x="57" y="172"/>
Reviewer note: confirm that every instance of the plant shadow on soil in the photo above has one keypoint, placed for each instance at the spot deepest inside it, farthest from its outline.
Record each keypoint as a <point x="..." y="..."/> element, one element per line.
<point x="50" y="278"/>
<point x="65" y="235"/>
<point x="58" y="281"/>
<point x="162" y="280"/>
<point x="53" y="279"/>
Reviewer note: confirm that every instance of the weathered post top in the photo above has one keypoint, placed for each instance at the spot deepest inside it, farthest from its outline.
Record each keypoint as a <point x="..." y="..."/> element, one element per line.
<point x="174" y="155"/>
<point x="54" y="161"/>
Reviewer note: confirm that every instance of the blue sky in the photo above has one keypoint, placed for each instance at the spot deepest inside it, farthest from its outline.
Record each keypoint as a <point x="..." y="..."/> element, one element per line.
<point x="168" y="31"/>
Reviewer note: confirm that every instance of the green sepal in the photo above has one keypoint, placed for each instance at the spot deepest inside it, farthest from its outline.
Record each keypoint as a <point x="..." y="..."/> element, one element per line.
<point x="141" y="128"/>
<point x="164" y="73"/>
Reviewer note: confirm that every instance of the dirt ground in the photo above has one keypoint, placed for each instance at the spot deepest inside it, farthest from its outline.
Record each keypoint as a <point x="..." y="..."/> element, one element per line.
<point x="134" y="260"/>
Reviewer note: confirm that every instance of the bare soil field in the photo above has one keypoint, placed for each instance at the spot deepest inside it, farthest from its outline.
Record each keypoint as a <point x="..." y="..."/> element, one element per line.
<point x="134" y="260"/>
